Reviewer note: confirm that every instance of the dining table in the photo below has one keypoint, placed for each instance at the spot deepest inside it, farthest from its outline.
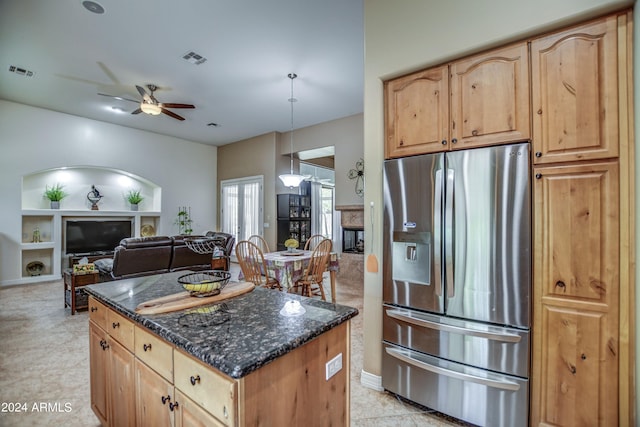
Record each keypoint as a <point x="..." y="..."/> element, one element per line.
<point x="288" y="267"/>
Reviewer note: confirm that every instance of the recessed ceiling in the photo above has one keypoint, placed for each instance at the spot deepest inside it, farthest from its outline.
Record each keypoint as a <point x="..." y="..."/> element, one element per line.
<point x="248" y="47"/>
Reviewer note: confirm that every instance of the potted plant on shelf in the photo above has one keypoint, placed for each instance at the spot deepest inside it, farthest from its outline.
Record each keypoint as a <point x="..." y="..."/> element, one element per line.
<point x="55" y="194"/>
<point x="134" y="197"/>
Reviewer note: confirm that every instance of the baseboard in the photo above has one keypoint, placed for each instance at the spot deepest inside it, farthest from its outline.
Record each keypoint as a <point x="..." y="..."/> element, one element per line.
<point x="371" y="381"/>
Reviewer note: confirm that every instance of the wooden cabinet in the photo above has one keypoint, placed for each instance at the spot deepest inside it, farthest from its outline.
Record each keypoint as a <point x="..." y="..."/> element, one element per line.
<point x="111" y="362"/>
<point x="477" y="101"/>
<point x="98" y="362"/>
<point x="192" y="415"/>
<point x="155" y="398"/>
<point x="199" y="383"/>
<point x="576" y="291"/>
<point x="582" y="365"/>
<point x="575" y="93"/>
<point x="160" y="385"/>
<point x="417" y="113"/>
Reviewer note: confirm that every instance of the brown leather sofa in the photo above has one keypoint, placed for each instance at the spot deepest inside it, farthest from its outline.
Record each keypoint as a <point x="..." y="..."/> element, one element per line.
<point x="143" y="256"/>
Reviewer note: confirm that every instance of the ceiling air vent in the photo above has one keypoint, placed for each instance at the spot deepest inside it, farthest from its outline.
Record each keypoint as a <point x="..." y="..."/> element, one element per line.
<point x="194" y="58"/>
<point x="20" y="71"/>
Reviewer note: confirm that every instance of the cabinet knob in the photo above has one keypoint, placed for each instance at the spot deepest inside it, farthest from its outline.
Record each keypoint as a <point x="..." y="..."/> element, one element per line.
<point x="173" y="406"/>
<point x="538" y="154"/>
<point x="146" y="347"/>
<point x="115" y="325"/>
<point x="560" y="284"/>
<point x="94" y="309"/>
<point x="538" y="175"/>
<point x="165" y="399"/>
<point x="454" y="141"/>
<point x="444" y="142"/>
<point x="401" y="142"/>
<point x="195" y="379"/>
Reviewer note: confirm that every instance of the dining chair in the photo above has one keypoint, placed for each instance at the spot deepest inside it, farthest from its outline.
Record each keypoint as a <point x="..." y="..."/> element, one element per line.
<point x="311" y="281"/>
<point x="259" y="241"/>
<point x="252" y="264"/>
<point x="313" y="241"/>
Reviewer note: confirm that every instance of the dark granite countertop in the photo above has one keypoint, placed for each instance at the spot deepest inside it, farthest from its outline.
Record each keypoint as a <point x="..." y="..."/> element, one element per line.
<point x="235" y="336"/>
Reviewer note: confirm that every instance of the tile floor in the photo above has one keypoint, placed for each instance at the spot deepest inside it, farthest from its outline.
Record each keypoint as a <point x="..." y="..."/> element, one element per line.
<point x="44" y="364"/>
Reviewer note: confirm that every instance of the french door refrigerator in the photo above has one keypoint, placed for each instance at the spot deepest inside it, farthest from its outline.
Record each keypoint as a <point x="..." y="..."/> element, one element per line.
<point x="457" y="283"/>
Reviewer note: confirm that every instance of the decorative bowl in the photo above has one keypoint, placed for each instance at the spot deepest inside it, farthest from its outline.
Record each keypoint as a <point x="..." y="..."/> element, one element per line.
<point x="205" y="283"/>
<point x="35" y="268"/>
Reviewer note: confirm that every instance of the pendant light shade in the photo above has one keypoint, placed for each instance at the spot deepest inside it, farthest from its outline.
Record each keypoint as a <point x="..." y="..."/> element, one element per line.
<point x="290" y="179"/>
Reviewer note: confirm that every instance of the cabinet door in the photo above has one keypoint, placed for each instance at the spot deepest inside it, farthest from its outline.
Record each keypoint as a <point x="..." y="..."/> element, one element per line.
<point x="121" y="385"/>
<point x="490" y="98"/>
<point x="154" y="397"/>
<point x="576" y="294"/>
<point x="575" y="93"/>
<point x="98" y="361"/>
<point x="188" y="414"/>
<point x="417" y="113"/>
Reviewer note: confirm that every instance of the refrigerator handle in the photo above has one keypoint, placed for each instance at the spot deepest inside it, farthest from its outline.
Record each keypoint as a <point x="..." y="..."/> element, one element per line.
<point x="437" y="232"/>
<point x="405" y="316"/>
<point x="405" y="357"/>
<point x="448" y="233"/>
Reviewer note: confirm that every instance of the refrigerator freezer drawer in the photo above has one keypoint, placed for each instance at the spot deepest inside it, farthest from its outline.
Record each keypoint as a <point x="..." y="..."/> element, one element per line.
<point x="472" y="343"/>
<point x="474" y="395"/>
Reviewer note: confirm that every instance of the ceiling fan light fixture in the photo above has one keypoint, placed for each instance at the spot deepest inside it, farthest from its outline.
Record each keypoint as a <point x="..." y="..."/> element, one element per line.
<point x="291" y="179"/>
<point x="151" y="109"/>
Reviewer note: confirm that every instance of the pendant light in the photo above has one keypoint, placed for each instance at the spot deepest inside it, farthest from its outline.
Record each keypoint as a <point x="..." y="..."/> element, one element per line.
<point x="290" y="179"/>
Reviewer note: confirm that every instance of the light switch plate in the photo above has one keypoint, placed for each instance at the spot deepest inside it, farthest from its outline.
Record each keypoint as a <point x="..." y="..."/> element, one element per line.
<point x="333" y="366"/>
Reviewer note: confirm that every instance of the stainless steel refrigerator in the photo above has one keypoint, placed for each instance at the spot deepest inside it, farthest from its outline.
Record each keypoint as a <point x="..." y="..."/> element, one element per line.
<point x="457" y="282"/>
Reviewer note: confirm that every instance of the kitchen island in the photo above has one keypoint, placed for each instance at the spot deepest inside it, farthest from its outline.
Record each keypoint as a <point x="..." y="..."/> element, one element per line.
<point x="235" y="362"/>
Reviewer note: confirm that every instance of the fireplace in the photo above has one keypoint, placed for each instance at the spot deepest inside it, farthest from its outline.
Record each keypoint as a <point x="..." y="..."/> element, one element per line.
<point x="353" y="240"/>
<point x="352" y="257"/>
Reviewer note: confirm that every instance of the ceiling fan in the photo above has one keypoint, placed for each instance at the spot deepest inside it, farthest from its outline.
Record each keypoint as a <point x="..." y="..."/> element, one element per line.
<point x="150" y="105"/>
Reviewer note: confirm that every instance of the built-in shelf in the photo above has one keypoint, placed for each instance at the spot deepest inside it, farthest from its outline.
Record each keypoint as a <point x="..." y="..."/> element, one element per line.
<point x="42" y="228"/>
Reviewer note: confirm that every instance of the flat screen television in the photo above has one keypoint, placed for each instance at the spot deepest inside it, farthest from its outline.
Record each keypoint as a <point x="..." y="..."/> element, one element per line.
<point x="95" y="236"/>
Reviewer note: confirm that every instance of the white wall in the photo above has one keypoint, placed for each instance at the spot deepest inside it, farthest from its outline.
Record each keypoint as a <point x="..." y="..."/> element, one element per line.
<point x="34" y="139"/>
<point x="406" y="35"/>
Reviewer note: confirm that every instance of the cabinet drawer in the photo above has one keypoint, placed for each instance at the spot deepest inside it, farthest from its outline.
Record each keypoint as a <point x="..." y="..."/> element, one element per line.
<point x="205" y="387"/>
<point x="98" y="313"/>
<point x="85" y="279"/>
<point x="155" y="352"/>
<point x="121" y="329"/>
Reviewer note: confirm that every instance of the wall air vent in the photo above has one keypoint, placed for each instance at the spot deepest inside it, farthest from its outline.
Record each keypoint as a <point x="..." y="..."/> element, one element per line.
<point x="194" y="58"/>
<point x="20" y="71"/>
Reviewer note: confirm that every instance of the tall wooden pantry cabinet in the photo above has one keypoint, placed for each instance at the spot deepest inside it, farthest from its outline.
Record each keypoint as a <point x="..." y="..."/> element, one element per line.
<point x="580" y="85"/>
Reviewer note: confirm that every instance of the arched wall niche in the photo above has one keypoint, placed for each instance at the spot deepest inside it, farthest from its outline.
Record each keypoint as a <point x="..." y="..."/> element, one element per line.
<point x="113" y="184"/>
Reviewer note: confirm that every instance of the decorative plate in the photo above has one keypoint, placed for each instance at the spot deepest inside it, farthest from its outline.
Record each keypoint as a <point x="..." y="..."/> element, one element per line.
<point x="147" y="230"/>
<point x="35" y="268"/>
<point x="289" y="253"/>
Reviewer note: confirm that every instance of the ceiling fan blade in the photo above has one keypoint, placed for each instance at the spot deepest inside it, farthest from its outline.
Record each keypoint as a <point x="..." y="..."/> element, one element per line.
<point x="141" y="91"/>
<point x="120" y="98"/>
<point x="172" y="114"/>
<point x="171" y="105"/>
<point x="136" y="111"/>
